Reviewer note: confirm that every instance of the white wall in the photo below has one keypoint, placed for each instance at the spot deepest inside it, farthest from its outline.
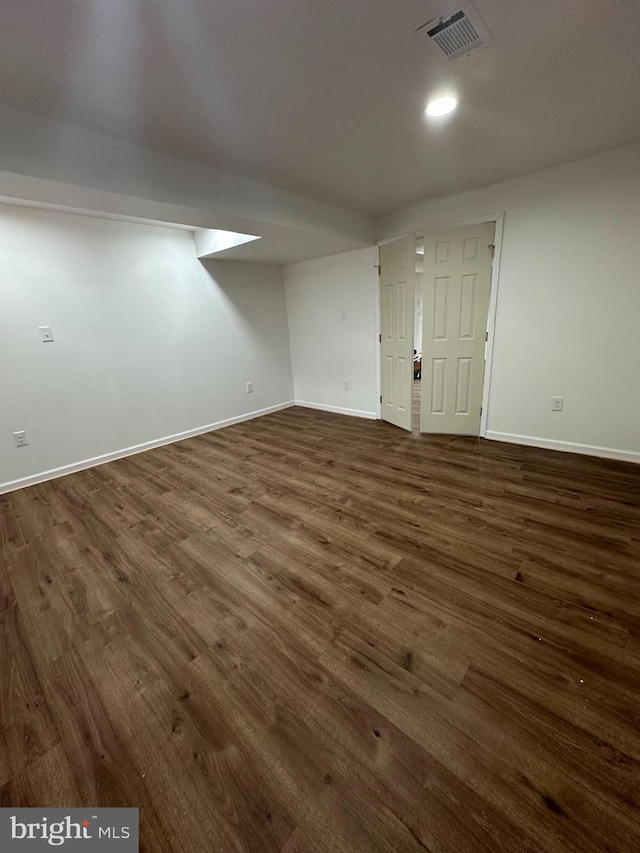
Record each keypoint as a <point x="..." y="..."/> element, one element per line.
<point x="149" y="341"/>
<point x="568" y="317"/>
<point x="325" y="350"/>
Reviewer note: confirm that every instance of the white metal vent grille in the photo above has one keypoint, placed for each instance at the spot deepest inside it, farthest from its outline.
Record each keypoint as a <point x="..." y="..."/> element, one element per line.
<point x="456" y="34"/>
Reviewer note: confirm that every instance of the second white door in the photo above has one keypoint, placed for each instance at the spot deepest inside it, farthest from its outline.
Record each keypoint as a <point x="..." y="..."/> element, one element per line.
<point x="457" y="288"/>
<point x="397" y="277"/>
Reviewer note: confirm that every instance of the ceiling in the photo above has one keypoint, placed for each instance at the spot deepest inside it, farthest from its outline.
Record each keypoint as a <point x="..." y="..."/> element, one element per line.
<point x="326" y="97"/>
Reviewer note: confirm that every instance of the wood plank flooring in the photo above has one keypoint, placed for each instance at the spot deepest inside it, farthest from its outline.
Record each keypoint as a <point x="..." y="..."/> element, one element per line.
<point x="314" y="633"/>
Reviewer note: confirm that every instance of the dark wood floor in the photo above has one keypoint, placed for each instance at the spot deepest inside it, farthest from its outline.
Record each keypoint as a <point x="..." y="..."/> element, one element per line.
<point x="316" y="633"/>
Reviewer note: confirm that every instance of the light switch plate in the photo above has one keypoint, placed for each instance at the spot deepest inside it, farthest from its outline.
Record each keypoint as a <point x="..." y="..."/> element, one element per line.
<point x="46" y="333"/>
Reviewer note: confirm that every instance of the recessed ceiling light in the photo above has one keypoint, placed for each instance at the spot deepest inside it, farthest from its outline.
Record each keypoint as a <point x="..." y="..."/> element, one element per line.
<point x="441" y="106"/>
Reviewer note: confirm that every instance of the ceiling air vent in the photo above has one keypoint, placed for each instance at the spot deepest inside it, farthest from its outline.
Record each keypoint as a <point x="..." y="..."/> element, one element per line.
<point x="456" y="34"/>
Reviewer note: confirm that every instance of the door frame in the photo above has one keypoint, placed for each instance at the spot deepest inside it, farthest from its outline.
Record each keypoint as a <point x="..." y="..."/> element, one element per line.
<point x="498" y="219"/>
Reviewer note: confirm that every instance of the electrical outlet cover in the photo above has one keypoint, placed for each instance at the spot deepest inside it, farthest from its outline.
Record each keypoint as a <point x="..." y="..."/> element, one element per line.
<point x="20" y="438"/>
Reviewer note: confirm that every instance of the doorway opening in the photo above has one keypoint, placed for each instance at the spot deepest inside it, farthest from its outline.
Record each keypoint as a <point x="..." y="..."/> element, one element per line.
<point x="417" y="335"/>
<point x="438" y="297"/>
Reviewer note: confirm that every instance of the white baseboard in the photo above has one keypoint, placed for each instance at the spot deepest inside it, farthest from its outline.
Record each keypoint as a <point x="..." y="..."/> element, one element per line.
<point x="32" y="479"/>
<point x="337" y="410"/>
<point x="566" y="446"/>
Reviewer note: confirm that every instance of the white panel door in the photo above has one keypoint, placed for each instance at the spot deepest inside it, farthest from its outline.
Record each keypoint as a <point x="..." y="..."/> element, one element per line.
<point x="397" y="277"/>
<point x="457" y="283"/>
